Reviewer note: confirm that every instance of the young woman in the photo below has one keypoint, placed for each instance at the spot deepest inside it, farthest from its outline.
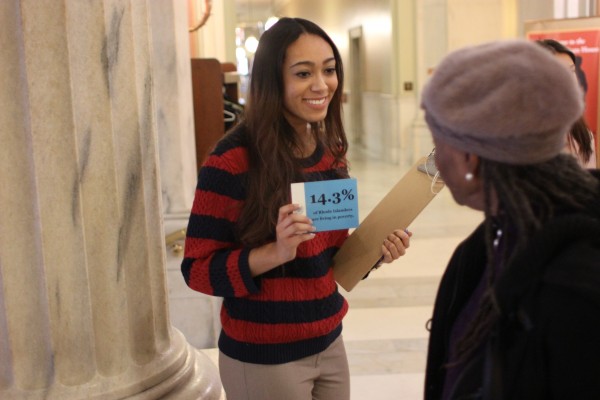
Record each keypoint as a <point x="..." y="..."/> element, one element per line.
<point x="282" y="312"/>
<point x="516" y="314"/>
<point x="580" y="141"/>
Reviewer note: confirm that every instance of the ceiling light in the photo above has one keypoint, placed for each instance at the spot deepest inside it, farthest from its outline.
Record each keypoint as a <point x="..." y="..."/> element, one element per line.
<point x="270" y="22"/>
<point x="251" y="44"/>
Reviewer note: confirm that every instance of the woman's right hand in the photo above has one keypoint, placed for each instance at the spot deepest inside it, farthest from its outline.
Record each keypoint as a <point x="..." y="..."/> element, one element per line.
<point x="291" y="230"/>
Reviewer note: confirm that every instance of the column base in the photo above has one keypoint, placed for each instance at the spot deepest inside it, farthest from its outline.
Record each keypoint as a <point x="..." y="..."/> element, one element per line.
<point x="197" y="379"/>
<point x="181" y="373"/>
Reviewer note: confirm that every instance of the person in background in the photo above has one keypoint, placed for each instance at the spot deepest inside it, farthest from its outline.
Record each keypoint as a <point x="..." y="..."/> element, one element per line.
<point x="580" y="141"/>
<point x="517" y="310"/>
<point x="282" y="312"/>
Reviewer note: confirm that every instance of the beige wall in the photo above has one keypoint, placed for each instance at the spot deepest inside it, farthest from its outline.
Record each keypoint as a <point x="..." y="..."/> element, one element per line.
<point x="477" y="21"/>
<point x="216" y="38"/>
<point x="389" y="30"/>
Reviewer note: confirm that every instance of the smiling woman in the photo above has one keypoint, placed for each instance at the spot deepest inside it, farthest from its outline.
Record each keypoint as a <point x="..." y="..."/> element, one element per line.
<point x="282" y="312"/>
<point x="310" y="80"/>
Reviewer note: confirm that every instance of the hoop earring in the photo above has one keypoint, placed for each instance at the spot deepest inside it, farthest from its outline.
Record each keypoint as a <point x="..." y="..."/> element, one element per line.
<point x="434" y="180"/>
<point x="468" y="176"/>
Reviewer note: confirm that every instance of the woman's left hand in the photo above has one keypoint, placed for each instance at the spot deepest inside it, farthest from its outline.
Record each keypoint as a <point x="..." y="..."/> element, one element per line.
<point x="395" y="245"/>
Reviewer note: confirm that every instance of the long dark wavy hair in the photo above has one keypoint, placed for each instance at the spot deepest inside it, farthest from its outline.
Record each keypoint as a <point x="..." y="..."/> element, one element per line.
<point x="580" y="132"/>
<point x="271" y="140"/>
<point x="528" y="196"/>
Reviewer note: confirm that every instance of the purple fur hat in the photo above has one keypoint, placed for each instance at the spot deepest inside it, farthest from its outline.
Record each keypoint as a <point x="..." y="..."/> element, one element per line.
<point x="509" y="101"/>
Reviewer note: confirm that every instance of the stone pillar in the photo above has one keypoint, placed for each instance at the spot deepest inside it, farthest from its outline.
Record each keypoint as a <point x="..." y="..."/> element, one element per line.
<point x="83" y="301"/>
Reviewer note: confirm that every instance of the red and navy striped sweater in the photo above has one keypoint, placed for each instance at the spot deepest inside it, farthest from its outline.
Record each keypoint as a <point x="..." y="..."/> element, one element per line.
<point x="290" y="312"/>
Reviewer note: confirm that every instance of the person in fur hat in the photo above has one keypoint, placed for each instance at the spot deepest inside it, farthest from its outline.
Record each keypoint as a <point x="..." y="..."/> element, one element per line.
<point x="517" y="313"/>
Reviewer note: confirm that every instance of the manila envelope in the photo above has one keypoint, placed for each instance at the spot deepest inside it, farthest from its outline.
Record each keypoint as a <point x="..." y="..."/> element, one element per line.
<point x="362" y="249"/>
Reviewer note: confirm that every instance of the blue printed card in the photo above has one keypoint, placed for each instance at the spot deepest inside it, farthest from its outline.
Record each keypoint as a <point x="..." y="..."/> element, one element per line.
<point x="331" y="205"/>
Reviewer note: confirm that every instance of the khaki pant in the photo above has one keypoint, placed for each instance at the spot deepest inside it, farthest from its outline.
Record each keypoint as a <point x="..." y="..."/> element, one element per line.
<point x="324" y="376"/>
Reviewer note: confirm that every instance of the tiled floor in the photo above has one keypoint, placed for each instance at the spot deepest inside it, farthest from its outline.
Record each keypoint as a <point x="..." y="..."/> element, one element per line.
<point x="384" y="330"/>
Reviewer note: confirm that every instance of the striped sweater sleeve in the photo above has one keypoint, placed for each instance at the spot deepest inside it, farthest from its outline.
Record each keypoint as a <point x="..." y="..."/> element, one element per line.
<point x="213" y="262"/>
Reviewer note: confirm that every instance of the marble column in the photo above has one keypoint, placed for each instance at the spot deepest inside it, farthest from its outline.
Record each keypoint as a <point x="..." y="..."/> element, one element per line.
<point x="83" y="299"/>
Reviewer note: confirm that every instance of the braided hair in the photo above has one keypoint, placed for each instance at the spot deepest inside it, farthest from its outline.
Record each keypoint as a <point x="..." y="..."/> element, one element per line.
<point x="528" y="196"/>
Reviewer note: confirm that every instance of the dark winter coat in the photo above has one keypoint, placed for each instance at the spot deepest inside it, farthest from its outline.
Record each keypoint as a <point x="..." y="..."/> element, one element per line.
<point x="546" y="344"/>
